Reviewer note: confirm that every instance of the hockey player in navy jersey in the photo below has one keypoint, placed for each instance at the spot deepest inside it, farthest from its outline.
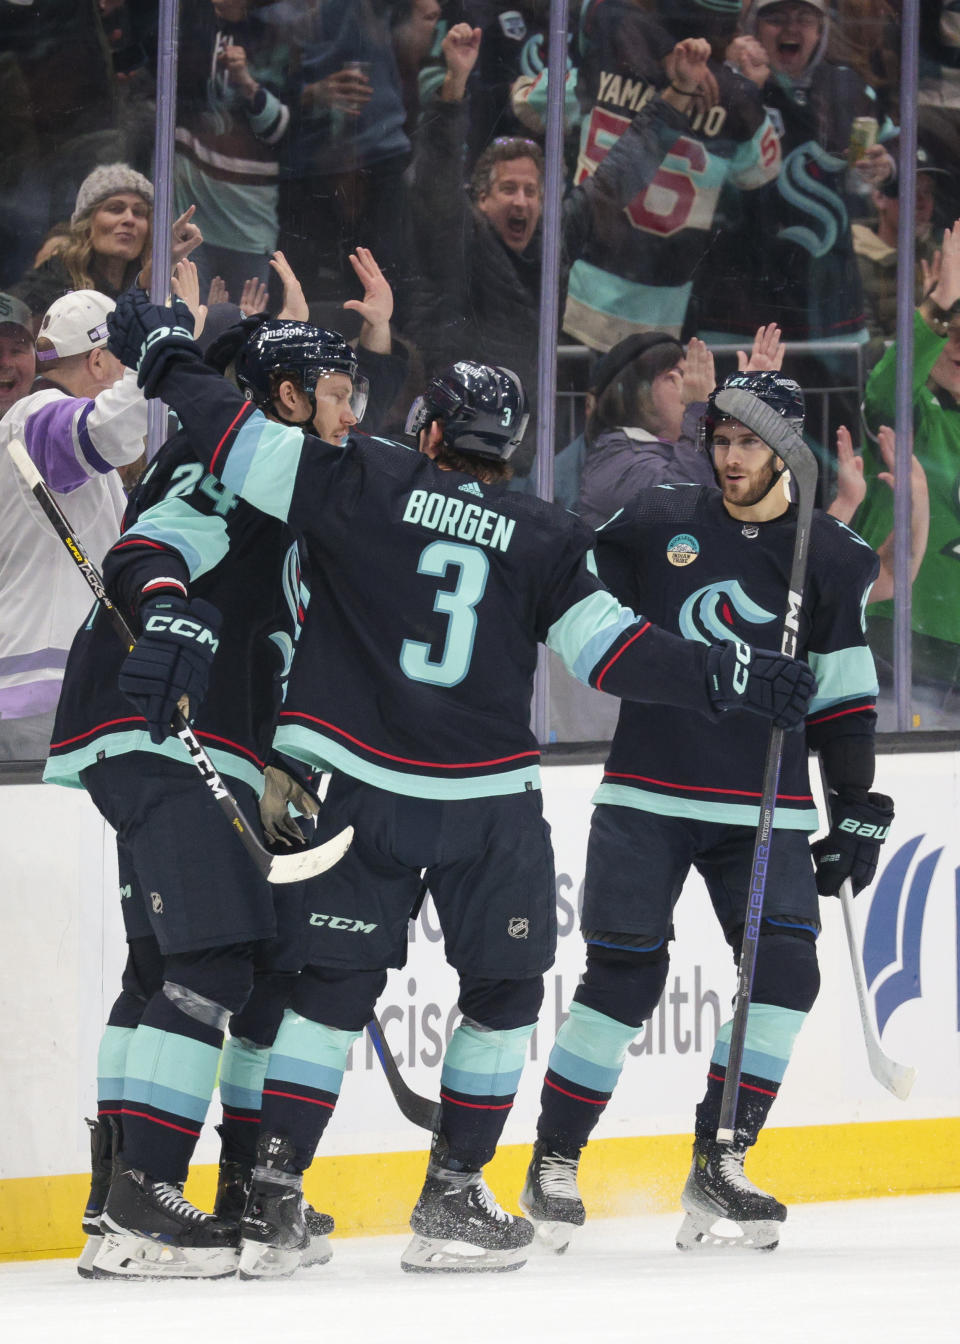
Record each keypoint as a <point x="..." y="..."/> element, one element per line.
<point x="677" y="793"/>
<point x="216" y="587"/>
<point x="432" y="586"/>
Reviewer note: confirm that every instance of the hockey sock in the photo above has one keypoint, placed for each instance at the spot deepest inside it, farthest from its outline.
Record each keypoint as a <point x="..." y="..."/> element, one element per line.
<point x="111" y="1069"/>
<point x="172" y="1065"/>
<point x="303" y="1081"/>
<point x="481" y="1072"/>
<point x="582" y="1072"/>
<point x="243" y="1068"/>
<point x="771" y="1032"/>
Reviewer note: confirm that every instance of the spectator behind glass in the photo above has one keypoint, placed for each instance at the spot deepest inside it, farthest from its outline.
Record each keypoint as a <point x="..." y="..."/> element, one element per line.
<point x="17" y="361"/>
<point x="479" y="258"/>
<point x="636" y="272"/>
<point x="876" y="246"/>
<point x="108" y="246"/>
<point x="345" y="157"/>
<point x="413" y="35"/>
<point x="85" y="417"/>
<point x="235" y="80"/>
<point x="936" y="424"/>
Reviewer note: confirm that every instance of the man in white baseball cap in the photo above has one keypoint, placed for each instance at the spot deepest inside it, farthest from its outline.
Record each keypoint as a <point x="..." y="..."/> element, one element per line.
<point x="84" y="418"/>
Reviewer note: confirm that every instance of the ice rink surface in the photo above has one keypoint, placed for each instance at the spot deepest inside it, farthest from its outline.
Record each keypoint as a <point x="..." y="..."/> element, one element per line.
<point x="871" y="1270"/>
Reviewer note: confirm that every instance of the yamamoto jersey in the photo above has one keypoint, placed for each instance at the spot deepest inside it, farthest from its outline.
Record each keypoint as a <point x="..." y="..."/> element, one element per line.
<point x="635" y="274"/>
<point x="429" y="593"/>
<point x="184" y="533"/>
<point x="709" y="576"/>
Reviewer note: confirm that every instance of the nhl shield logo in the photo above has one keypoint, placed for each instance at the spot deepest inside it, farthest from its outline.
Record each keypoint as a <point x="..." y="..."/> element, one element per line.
<point x="518" y="927"/>
<point x="156" y="902"/>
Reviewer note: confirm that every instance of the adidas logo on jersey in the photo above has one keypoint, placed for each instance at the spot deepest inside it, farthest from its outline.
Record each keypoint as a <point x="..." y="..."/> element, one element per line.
<point x="471" y="488"/>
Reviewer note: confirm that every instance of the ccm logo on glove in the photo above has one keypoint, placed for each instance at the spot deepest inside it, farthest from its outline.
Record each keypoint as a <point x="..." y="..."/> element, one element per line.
<point x="184" y="629"/>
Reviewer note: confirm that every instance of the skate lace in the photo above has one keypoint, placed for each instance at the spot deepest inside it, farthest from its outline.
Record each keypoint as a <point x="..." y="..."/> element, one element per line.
<point x="731" y="1169"/>
<point x="484" y="1197"/>
<point x="171" y="1199"/>
<point x="558" y="1176"/>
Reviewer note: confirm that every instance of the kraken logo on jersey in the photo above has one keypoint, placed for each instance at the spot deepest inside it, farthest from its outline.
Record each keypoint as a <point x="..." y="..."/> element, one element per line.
<point x="709" y="613"/>
<point x="296" y="598"/>
<point x="809" y="193"/>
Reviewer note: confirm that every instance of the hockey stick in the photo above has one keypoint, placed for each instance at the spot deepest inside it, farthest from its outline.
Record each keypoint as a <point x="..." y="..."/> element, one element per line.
<point x="749" y="410"/>
<point x="418" y="1110"/>
<point x="274" y="867"/>
<point x="896" y="1078"/>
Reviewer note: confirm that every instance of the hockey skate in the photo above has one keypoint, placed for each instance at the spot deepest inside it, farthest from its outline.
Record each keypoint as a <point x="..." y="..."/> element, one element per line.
<point x="717" y="1189"/>
<point x="458" y="1226"/>
<point x="151" y="1232"/>
<point x="276" y="1238"/>
<point x="550" y="1197"/>
<point x="103" y="1144"/>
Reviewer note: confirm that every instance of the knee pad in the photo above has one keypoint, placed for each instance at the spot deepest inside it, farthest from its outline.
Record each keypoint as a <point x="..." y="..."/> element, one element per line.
<point x="219" y="976"/>
<point x="500" y="1005"/>
<point x="623" y="982"/>
<point x="259" y="1019"/>
<point x="341" y="999"/>
<point x="787" y="974"/>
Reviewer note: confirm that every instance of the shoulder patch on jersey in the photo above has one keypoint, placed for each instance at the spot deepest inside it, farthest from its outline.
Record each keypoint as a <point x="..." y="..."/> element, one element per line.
<point x="682" y="549"/>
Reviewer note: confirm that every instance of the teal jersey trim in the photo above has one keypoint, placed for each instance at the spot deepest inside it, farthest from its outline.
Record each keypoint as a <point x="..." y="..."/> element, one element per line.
<point x="485" y="1063"/>
<point x="848" y="674"/>
<point x="200" y="538"/>
<point x="65" y="769"/>
<point x="725" y="814"/>
<point x="768" y="1043"/>
<point x="590" y="1048"/>
<point x="651" y="307"/>
<point x="243" y="1067"/>
<point x="317" y="750"/>
<point x="583" y="633"/>
<point x="171" y="1072"/>
<point x="262" y="465"/>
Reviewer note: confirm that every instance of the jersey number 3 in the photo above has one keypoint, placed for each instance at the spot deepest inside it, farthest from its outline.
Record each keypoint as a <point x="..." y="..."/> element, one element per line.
<point x="458" y="605"/>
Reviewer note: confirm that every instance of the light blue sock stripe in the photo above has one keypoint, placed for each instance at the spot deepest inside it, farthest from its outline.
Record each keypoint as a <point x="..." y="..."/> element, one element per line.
<point x="242" y="1071"/>
<point x="771" y="1032"/>
<point x="581" y="1071"/>
<point x="309" y="1053"/>
<point x="593" y="1038"/>
<point x="112" y="1062"/>
<point x="485" y="1063"/>
<point x="172" y="1072"/>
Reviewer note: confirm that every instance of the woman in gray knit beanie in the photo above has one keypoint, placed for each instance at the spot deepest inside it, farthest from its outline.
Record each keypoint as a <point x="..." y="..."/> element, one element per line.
<point x="109" y="242"/>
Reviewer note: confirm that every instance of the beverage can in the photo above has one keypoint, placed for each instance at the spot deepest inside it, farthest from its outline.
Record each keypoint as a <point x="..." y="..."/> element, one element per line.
<point x="863" y="136"/>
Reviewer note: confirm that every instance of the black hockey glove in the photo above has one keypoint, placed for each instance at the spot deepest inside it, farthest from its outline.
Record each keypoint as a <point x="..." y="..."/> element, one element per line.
<point x="282" y="788"/>
<point x="147" y="337"/>
<point x="772" y="684"/>
<point x="852" y="848"/>
<point x="170" y="660"/>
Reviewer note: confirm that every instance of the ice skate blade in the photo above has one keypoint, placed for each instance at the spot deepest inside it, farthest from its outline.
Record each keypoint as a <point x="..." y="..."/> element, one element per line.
<point x="125" y="1256"/>
<point x="439" y="1255"/>
<point x="88" y="1254"/>
<point x="696" y="1234"/>
<point x="318" y="1252"/>
<point x="259" y="1261"/>
<point x="553" y="1236"/>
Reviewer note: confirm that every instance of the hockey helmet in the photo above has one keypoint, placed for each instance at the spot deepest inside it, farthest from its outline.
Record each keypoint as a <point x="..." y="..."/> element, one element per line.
<point x="278" y="346"/>
<point x="482" y="406"/>
<point x="781" y="394"/>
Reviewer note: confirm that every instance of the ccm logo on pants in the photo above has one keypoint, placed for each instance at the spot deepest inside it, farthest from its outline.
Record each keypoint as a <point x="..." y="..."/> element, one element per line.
<point x="341" y="922"/>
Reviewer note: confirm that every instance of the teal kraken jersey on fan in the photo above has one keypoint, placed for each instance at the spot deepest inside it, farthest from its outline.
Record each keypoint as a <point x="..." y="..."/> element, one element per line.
<point x="708" y="576"/>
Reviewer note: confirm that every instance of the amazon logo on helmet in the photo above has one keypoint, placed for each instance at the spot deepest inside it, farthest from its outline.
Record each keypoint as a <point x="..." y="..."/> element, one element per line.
<point x="278" y="346"/>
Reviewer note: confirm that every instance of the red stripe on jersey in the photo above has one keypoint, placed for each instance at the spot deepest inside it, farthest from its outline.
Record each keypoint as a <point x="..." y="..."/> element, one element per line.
<point x="838" y="714"/>
<point x="138" y="541"/>
<point x="706" y="788"/>
<point x="405" y="760"/>
<point x="244" y="409"/>
<point x="607" y="666"/>
<point x="110" y="723"/>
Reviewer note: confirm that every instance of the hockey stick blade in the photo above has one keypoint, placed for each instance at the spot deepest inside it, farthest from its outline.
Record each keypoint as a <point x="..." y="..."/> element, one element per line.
<point x="739" y="404"/>
<point x="896" y="1078"/>
<point x="418" y="1110"/>
<point x="277" y="868"/>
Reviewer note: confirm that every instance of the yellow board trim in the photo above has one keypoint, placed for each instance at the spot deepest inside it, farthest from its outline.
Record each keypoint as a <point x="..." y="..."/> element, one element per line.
<point x="370" y="1194"/>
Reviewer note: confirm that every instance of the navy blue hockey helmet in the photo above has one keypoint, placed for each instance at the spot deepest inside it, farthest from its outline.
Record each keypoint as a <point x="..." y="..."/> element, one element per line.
<point x="279" y="346"/>
<point x="482" y="406"/>
<point x="781" y="394"/>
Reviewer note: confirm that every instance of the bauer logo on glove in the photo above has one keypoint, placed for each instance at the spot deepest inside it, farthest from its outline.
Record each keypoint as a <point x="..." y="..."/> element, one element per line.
<point x="852" y="848"/>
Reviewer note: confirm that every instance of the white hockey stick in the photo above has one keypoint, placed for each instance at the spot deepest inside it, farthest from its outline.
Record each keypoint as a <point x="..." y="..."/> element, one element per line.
<point x="275" y="867"/>
<point x="896" y="1078"/>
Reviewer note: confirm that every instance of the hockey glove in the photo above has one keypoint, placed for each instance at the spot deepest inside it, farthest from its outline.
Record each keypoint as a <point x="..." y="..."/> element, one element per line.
<point x="170" y="660"/>
<point x="772" y="684"/>
<point x="852" y="848"/>
<point x="148" y="338"/>
<point x="280" y="789"/>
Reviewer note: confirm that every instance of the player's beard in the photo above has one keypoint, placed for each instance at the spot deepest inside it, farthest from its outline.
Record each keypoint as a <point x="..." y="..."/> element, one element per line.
<point x="750" y="490"/>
